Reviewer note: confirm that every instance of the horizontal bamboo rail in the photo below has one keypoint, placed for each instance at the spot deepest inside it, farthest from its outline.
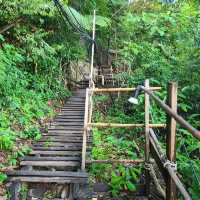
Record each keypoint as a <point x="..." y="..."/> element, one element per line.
<point x="111" y="125"/>
<point x="168" y="110"/>
<point x="96" y="90"/>
<point x="111" y="161"/>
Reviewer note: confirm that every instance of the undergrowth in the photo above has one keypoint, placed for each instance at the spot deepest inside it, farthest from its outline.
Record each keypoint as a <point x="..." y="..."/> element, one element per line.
<point x="112" y="143"/>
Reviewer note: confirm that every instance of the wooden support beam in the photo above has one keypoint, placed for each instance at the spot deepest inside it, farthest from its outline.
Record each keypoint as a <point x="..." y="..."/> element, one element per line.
<point x="98" y="90"/>
<point x="113" y="125"/>
<point x="147" y="143"/>
<point x="171" y="139"/>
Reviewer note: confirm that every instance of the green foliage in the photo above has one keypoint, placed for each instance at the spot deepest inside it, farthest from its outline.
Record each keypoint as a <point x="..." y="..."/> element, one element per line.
<point x="6" y="140"/>
<point x="30" y="73"/>
<point x="117" y="144"/>
<point x="2" y="177"/>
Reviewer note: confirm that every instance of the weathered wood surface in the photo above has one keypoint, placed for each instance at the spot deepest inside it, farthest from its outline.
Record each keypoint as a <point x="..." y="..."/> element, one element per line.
<point x="171" y="139"/>
<point x="56" y="153"/>
<point x="48" y="173"/>
<point x="59" y="149"/>
<point x="50" y="158"/>
<point x="50" y="163"/>
<point x="39" y="179"/>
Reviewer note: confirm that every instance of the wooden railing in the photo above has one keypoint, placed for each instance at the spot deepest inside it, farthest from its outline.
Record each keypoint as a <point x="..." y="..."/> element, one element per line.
<point x="165" y="161"/>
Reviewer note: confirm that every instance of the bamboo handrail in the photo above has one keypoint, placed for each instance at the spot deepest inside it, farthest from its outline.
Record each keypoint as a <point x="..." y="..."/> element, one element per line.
<point x="115" y="125"/>
<point x="169" y="111"/>
<point x="96" y="90"/>
<point x="111" y="161"/>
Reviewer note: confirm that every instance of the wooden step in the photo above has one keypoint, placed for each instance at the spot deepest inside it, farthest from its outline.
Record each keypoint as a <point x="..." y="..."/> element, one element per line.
<point x="71" y="114"/>
<point x="55" y="153"/>
<point x="47" y="173"/>
<point x="72" y="109"/>
<point x="58" y="144"/>
<point x="50" y="158"/>
<point x="70" y="117"/>
<point x="63" y="139"/>
<point x="64" y="135"/>
<point x="65" y="128"/>
<point x="39" y="179"/>
<point x="50" y="163"/>
<point x="64" y="148"/>
<point x="68" y="120"/>
<point x="64" y="124"/>
<point x="66" y="131"/>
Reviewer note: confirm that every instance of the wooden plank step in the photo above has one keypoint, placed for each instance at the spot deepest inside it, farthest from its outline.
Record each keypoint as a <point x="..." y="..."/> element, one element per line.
<point x="61" y="180"/>
<point x="71" y="114"/>
<point x="62" y="134"/>
<point x="48" y="173"/>
<point x="56" y="153"/>
<point x="58" y="144"/>
<point x="68" y="120"/>
<point x="75" y="111"/>
<point x="73" y="107"/>
<point x="49" y="158"/>
<point x="64" y="140"/>
<point x="69" y="117"/>
<point x="77" y="99"/>
<point x="81" y="105"/>
<point x="65" y="128"/>
<point x="69" y="148"/>
<point x="72" y="110"/>
<point x="50" y="163"/>
<point x="66" y="132"/>
<point x="75" y="104"/>
<point x="67" y="124"/>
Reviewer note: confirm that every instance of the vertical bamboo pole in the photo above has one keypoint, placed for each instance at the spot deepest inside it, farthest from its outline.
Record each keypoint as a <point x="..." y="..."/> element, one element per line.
<point x="84" y="146"/>
<point x="147" y="138"/>
<point x="93" y="48"/>
<point x="90" y="107"/>
<point x="171" y="138"/>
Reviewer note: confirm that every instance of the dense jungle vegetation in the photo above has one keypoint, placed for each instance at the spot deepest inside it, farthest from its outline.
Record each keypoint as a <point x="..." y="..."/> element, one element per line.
<point x="152" y="39"/>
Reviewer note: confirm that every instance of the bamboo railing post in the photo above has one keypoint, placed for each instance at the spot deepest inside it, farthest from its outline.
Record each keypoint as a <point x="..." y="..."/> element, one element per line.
<point x="93" y="49"/>
<point x="171" y="138"/>
<point x="84" y="146"/>
<point x="147" y="138"/>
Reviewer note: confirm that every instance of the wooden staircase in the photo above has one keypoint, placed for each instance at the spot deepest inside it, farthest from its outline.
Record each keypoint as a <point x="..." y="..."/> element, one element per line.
<point x="56" y="158"/>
